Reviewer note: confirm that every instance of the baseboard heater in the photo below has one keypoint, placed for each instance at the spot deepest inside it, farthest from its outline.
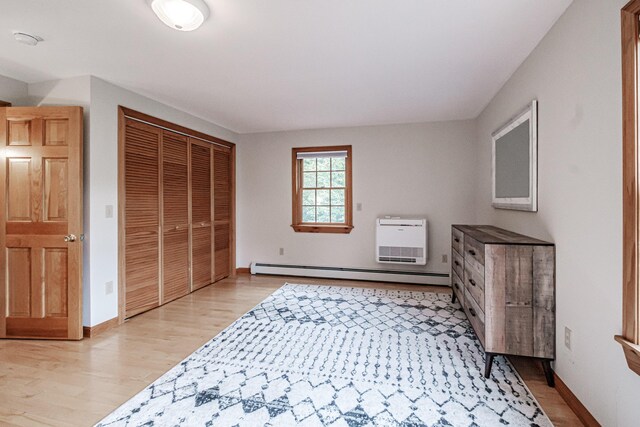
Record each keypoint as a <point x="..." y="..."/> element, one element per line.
<point x="397" y="276"/>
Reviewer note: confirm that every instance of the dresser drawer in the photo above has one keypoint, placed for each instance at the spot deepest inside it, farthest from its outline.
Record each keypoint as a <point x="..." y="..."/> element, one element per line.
<point x="457" y="240"/>
<point x="457" y="263"/>
<point x="474" y="249"/>
<point x="472" y="304"/>
<point x="474" y="284"/>
<point x="475" y="316"/>
<point x="458" y="287"/>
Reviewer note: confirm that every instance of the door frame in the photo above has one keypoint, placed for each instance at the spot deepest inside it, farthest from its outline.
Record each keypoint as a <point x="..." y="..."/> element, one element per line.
<point x="125" y="113"/>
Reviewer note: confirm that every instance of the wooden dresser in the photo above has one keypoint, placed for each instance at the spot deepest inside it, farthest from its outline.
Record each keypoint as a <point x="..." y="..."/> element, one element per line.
<point x="505" y="282"/>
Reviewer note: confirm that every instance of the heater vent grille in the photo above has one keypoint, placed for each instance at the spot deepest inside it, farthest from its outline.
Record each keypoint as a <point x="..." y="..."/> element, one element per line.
<point x="400" y="252"/>
<point x="395" y="259"/>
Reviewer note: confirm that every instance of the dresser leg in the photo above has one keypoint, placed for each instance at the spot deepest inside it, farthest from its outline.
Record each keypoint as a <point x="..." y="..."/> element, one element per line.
<point x="488" y="361"/>
<point x="453" y="297"/>
<point x="548" y="372"/>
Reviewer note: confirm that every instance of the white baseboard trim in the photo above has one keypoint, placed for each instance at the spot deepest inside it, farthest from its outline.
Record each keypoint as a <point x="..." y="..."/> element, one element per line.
<point x="397" y="276"/>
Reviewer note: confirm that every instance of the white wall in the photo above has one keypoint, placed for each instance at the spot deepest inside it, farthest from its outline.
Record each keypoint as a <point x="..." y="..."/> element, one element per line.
<point x="414" y="169"/>
<point x="575" y="74"/>
<point x="13" y="91"/>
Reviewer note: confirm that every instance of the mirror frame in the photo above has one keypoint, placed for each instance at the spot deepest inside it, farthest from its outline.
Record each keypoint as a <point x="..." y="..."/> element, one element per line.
<point x="519" y="203"/>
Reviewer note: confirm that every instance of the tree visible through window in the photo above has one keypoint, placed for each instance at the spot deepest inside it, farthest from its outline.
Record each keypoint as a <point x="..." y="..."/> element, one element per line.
<point x="322" y="189"/>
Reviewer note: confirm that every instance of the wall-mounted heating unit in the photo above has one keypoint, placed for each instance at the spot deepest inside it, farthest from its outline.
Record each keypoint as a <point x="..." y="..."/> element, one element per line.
<point x="401" y="241"/>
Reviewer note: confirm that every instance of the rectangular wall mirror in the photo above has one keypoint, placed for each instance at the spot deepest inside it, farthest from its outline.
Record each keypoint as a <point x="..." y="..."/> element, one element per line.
<point x="515" y="162"/>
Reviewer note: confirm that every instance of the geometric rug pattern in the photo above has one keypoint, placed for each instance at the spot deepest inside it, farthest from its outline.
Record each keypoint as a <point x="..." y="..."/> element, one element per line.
<point x="344" y="357"/>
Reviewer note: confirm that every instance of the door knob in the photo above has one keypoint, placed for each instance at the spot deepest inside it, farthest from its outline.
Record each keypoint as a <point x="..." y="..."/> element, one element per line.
<point x="70" y="238"/>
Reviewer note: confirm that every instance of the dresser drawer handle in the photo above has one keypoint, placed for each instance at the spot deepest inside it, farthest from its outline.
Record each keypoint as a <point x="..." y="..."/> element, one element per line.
<point x="472" y="252"/>
<point x="456" y="240"/>
<point x="472" y="311"/>
<point x="473" y="282"/>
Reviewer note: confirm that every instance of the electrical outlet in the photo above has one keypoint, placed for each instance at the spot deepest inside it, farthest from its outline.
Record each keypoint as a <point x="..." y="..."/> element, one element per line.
<point x="358" y="206"/>
<point x="108" y="211"/>
<point x="445" y="258"/>
<point x="281" y="251"/>
<point x="567" y="337"/>
<point x="108" y="288"/>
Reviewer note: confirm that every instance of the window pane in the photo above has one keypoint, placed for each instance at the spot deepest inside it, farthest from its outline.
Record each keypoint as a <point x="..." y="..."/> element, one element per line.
<point x="309" y="164"/>
<point x="337" y="197"/>
<point x="308" y="197"/>
<point x="337" y="214"/>
<point x="309" y="180"/>
<point x="323" y="214"/>
<point x="322" y="198"/>
<point x="337" y="164"/>
<point x="308" y="214"/>
<point x="324" y="163"/>
<point x="338" y="179"/>
<point x="324" y="179"/>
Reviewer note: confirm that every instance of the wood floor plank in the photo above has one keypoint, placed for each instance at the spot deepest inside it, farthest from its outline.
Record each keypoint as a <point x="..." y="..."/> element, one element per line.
<point x="46" y="383"/>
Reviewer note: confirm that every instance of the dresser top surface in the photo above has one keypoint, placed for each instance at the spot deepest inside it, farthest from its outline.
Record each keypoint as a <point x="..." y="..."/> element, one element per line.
<point x="488" y="234"/>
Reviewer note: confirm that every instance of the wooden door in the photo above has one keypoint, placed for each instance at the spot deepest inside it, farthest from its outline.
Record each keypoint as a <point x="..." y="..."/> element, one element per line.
<point x="141" y="217"/>
<point x="201" y="201"/>
<point x="222" y="211"/>
<point x="41" y="225"/>
<point x="175" y="217"/>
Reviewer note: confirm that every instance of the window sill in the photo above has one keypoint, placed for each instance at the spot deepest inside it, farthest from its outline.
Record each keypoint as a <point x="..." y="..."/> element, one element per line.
<point x="631" y="352"/>
<point x="338" y="229"/>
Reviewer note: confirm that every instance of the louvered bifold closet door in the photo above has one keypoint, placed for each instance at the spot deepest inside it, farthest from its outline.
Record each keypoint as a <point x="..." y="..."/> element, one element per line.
<point x="222" y="210"/>
<point x="202" y="231"/>
<point x="175" y="223"/>
<point x="142" y="217"/>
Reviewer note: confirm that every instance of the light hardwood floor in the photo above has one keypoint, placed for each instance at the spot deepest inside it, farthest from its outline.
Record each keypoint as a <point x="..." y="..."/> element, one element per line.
<point x="46" y="383"/>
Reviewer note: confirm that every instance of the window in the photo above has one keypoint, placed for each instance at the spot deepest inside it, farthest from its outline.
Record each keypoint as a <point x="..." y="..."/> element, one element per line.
<point x="630" y="337"/>
<point x="322" y="189"/>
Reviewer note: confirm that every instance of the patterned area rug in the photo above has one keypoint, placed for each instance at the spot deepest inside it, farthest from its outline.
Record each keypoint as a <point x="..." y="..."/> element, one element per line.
<point x="334" y="356"/>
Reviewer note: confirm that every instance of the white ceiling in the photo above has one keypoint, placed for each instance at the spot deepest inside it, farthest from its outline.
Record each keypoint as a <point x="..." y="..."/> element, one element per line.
<point x="260" y="65"/>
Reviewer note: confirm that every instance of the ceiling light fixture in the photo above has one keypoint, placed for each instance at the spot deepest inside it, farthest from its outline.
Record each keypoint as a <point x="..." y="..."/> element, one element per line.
<point x="27" y="39"/>
<point x="182" y="15"/>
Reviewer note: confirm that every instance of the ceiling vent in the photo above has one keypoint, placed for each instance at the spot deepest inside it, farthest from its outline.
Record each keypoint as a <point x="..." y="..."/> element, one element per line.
<point x="27" y="39"/>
